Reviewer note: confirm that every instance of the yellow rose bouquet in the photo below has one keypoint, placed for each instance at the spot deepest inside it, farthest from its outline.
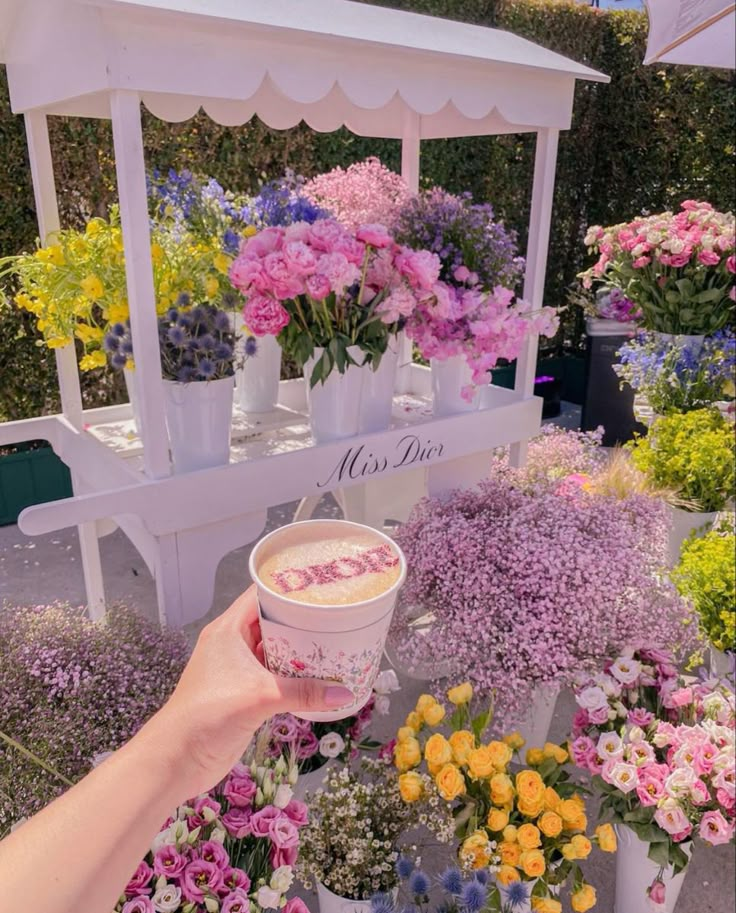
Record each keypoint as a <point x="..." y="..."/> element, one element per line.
<point x="525" y="823"/>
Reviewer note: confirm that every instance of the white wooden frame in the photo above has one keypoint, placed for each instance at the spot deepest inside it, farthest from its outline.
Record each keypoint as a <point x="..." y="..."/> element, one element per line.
<point x="378" y="71"/>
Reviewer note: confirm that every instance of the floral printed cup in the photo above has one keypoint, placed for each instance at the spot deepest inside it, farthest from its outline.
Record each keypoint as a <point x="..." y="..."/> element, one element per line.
<point x="337" y="642"/>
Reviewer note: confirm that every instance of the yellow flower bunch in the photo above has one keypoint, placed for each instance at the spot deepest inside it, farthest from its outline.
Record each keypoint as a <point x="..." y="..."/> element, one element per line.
<point x="528" y="822"/>
<point x="76" y="285"/>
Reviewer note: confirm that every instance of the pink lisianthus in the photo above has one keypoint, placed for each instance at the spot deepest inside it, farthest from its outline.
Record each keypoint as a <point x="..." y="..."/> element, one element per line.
<point x="169" y="862"/>
<point x="139" y="905"/>
<point x="236" y="822"/>
<point x="140" y="882"/>
<point x="682" y="697"/>
<point x="581" y="750"/>
<point x="671" y="817"/>
<point x="709" y="258"/>
<point x="211" y="851"/>
<point x="199" y="879"/>
<point x="295" y="905"/>
<point x="297" y="812"/>
<point x="657" y="894"/>
<point x="236" y="901"/>
<point x="639" y="716"/>
<point x="650" y="788"/>
<point x="261" y="821"/>
<point x="234" y="879"/>
<point x="284" y="856"/>
<point x="714" y="828"/>
<point x="239" y="790"/>
<point x="731" y="264"/>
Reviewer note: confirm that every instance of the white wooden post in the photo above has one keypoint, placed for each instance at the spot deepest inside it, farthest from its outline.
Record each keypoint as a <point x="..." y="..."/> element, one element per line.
<point x="410" y="156"/>
<point x="540" y="218"/>
<point x="47" y="210"/>
<point x="131" y="176"/>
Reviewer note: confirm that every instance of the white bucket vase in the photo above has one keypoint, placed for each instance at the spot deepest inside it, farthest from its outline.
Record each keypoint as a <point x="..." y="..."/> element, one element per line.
<point x="448" y="379"/>
<point x="683" y="524"/>
<point x="721" y="663"/>
<point x="333" y="903"/>
<point x="131" y="385"/>
<point x="334" y="406"/>
<point x="257" y="381"/>
<point x="635" y="872"/>
<point x="534" y="727"/>
<point x="199" y="418"/>
<point x="378" y="391"/>
<point x="312" y="781"/>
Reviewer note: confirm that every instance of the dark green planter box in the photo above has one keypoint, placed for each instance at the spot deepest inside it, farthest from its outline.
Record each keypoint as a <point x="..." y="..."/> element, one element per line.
<point x="31" y="477"/>
<point x="570" y="369"/>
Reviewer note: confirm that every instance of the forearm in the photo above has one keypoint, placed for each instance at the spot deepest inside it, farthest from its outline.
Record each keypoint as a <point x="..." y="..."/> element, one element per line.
<point x="77" y="855"/>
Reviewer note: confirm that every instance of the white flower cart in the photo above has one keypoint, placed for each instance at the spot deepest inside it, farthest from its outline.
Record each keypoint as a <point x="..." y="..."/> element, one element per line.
<point x="330" y="63"/>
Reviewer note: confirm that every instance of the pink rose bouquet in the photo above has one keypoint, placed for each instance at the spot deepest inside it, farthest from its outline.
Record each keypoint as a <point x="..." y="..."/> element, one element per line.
<point x="661" y="753"/>
<point x="231" y="850"/>
<point x="322" y="286"/>
<point x="677" y="267"/>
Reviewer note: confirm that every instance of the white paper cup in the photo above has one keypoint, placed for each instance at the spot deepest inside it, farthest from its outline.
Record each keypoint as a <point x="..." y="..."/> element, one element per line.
<point x="341" y="643"/>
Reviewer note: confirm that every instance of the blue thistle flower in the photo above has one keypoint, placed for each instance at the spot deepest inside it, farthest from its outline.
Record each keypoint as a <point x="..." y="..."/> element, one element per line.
<point x="382" y="903"/>
<point x="221" y="321"/>
<point x="185" y="320"/>
<point x="223" y="352"/>
<point x="481" y="875"/>
<point x="206" y="368"/>
<point x="207" y="341"/>
<point x="118" y="361"/>
<point x="119" y="329"/>
<point x="419" y="884"/>
<point x="111" y="342"/>
<point x="185" y="374"/>
<point x="516" y="895"/>
<point x="172" y="314"/>
<point x="176" y="336"/>
<point x="451" y="880"/>
<point x="251" y="348"/>
<point x="126" y="346"/>
<point x="404" y="865"/>
<point x="473" y="896"/>
<point x="198" y="314"/>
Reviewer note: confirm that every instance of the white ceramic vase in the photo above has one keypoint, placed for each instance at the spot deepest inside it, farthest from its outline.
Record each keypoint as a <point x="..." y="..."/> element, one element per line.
<point x="333" y="903"/>
<point x="683" y="524"/>
<point x="448" y="379"/>
<point x="378" y="391"/>
<point x="534" y="727"/>
<point x="721" y="663"/>
<point x="635" y="872"/>
<point x="131" y="385"/>
<point x="334" y="406"/>
<point x="257" y="381"/>
<point x="199" y="418"/>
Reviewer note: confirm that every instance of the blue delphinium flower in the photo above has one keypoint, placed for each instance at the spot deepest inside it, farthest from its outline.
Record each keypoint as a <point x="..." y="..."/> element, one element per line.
<point x="451" y="880"/>
<point x="419" y="883"/>
<point x="404" y="867"/>
<point x="473" y="896"/>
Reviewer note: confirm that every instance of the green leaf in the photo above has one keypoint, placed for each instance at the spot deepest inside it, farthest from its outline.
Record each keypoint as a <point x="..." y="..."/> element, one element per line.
<point x="660" y="853"/>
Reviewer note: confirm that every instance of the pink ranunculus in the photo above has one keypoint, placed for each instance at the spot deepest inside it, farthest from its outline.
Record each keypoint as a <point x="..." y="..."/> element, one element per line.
<point x="261" y="820"/>
<point x="671" y="817"/>
<point x="236" y="822"/>
<point x="169" y="862"/>
<point x="139" y="905"/>
<point x="199" y="878"/>
<point x="709" y="258"/>
<point x="236" y="901"/>
<point x="212" y="851"/>
<point x="375" y="235"/>
<point x="265" y="242"/>
<point x="297" y="812"/>
<point x="299" y="258"/>
<point x="286" y="856"/>
<point x="264" y="316"/>
<point x="283" y="833"/>
<point x="240" y="790"/>
<point x="295" y="905"/>
<point x="657" y="893"/>
<point x="420" y="267"/>
<point x="140" y="883"/>
<point x="233" y="879"/>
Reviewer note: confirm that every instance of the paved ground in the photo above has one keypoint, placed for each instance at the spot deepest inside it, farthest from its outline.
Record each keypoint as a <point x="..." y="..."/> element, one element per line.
<point x="48" y="568"/>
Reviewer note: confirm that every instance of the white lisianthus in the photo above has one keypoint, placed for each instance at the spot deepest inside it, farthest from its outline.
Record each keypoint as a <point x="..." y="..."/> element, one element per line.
<point x="268" y="898"/>
<point x="167" y="837"/>
<point x="626" y="671"/>
<point x="282" y="879"/>
<point x="610" y="746"/>
<point x="386" y="682"/>
<point x="382" y="704"/>
<point x="283" y="796"/>
<point x="331" y="745"/>
<point x="624" y="777"/>
<point x="680" y="782"/>
<point x="636" y="734"/>
<point x="219" y="834"/>
<point x="167" y="900"/>
<point x="592" y="698"/>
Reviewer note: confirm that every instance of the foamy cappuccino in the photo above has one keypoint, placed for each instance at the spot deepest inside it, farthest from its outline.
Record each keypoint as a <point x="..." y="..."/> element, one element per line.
<point x="326" y="564"/>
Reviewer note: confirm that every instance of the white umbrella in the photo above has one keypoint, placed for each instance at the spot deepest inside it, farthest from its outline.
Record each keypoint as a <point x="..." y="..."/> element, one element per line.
<point x="697" y="32"/>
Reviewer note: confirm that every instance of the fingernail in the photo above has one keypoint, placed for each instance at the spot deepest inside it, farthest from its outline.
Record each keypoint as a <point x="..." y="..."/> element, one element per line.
<point x="336" y="696"/>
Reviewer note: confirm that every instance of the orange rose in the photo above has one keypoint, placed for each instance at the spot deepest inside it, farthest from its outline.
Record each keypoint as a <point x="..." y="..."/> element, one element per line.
<point x="509" y="853"/>
<point x="414" y="721"/>
<point x="404" y="733"/>
<point x="407" y="754"/>
<point x="530" y="786"/>
<point x="498" y="818"/>
<point x="502" y="789"/>
<point x="500" y="755"/>
<point x="529" y="809"/>
<point x="550" y="824"/>
<point x="506" y="875"/>
<point x="546" y="905"/>
<point x="411" y="786"/>
<point x="462" y="743"/>
<point x="552" y="800"/>
<point x="480" y="763"/>
<point x="606" y="838"/>
<point x="557" y="752"/>
<point x="434" y="714"/>
<point x="529" y="837"/>
<point x="437" y="751"/>
<point x="534" y="757"/>
<point x="450" y="782"/>
<point x="532" y="863"/>
<point x="509" y="833"/>
<point x="583" y="899"/>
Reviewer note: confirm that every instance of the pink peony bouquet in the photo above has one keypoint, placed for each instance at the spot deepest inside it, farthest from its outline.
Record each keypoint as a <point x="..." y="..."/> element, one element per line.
<point x="482" y="327"/>
<point x="314" y="744"/>
<point x="324" y="287"/>
<point x="231" y="850"/>
<point x="661" y="752"/>
<point x="678" y="268"/>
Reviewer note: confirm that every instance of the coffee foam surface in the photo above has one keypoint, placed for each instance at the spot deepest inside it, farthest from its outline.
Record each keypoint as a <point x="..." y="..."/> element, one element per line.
<point x="331" y="570"/>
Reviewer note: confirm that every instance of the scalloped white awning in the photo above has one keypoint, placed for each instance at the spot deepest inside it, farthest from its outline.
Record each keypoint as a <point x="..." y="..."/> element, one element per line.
<point x="327" y="62"/>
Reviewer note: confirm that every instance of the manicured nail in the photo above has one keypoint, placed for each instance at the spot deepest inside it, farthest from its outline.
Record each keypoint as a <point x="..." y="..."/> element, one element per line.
<point x="336" y="696"/>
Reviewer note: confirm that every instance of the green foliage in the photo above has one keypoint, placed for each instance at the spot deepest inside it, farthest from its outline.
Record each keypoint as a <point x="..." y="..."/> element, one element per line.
<point x="655" y="136"/>
<point x="692" y="454"/>
<point x="706" y="575"/>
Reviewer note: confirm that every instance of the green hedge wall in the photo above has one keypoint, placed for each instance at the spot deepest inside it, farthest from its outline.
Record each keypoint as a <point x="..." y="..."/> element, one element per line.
<point x="653" y="137"/>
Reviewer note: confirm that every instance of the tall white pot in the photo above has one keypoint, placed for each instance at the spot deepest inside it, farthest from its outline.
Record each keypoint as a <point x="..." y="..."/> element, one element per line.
<point x="534" y="727"/>
<point x="683" y="523"/>
<point x="378" y="391"/>
<point x="635" y="872"/>
<point x="257" y="382"/>
<point x="448" y="379"/>
<point x="131" y="385"/>
<point x="721" y="663"/>
<point x="333" y="903"/>
<point x="199" y="417"/>
<point x="334" y="406"/>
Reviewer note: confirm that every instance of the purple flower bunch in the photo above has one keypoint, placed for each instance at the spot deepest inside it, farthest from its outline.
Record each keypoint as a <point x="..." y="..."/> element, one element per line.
<point x="612" y="304"/>
<point x="534" y="587"/>
<point x="70" y="689"/>
<point x="464" y="235"/>
<point x="230" y="850"/>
